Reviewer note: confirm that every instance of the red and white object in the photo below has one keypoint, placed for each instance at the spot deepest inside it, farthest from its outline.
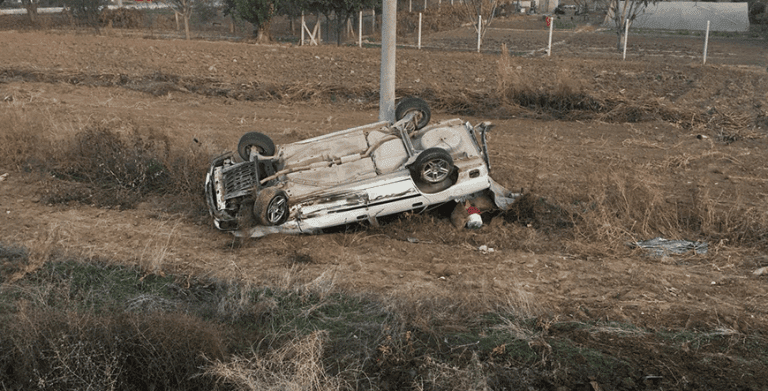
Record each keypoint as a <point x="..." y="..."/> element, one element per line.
<point x="474" y="218"/>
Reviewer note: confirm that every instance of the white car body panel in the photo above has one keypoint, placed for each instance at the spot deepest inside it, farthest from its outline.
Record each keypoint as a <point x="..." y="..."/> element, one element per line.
<point x="355" y="175"/>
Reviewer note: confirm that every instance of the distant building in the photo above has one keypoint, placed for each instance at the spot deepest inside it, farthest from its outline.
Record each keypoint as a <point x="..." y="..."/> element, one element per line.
<point x="690" y="15"/>
<point x="546" y="6"/>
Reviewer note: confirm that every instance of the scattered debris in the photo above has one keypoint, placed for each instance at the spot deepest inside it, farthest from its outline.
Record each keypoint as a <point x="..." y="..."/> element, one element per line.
<point x="659" y="247"/>
<point x="417" y="240"/>
<point x="762" y="271"/>
<point x="2" y="177"/>
<point x="652" y="380"/>
<point x="486" y="250"/>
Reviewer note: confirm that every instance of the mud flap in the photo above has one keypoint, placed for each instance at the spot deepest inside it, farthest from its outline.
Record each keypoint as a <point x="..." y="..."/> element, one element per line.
<point x="502" y="197"/>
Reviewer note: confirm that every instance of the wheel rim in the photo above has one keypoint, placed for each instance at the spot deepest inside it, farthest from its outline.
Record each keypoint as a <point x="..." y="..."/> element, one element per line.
<point x="276" y="210"/>
<point x="419" y="115"/>
<point x="256" y="148"/>
<point x="435" y="170"/>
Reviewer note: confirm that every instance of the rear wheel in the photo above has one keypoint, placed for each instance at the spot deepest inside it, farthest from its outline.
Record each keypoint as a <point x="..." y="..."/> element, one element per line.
<point x="432" y="166"/>
<point x="411" y="104"/>
<point x="271" y="206"/>
<point x="260" y="141"/>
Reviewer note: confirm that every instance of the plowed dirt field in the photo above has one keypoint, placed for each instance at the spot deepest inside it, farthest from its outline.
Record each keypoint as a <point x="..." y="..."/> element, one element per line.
<point x="667" y="130"/>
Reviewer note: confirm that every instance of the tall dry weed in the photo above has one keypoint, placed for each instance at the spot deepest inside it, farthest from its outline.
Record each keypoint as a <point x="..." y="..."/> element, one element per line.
<point x="441" y="312"/>
<point x="152" y="257"/>
<point x="110" y="162"/>
<point x="101" y="156"/>
<point x="53" y="348"/>
<point x="621" y="207"/>
<point x="563" y="95"/>
<point x="442" y="376"/>
<point x="240" y="302"/>
<point x="297" y="366"/>
<point x="40" y="250"/>
<point x="732" y="221"/>
<point x="122" y="165"/>
<point x="24" y="140"/>
<point x="510" y="78"/>
<point x="13" y="259"/>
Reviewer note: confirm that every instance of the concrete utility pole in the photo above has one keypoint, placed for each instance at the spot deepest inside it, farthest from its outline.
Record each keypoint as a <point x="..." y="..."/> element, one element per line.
<point x="388" y="58"/>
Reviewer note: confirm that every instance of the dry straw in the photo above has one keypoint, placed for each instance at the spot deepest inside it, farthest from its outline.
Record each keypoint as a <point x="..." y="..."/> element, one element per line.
<point x="297" y="366"/>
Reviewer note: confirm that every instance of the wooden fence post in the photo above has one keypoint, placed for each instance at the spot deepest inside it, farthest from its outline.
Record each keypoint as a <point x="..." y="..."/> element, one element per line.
<point x="479" y="31"/>
<point x="419" y="44"/>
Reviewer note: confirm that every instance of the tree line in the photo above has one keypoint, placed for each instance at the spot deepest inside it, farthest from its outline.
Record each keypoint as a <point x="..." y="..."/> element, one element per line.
<point x="257" y="12"/>
<point x="260" y="12"/>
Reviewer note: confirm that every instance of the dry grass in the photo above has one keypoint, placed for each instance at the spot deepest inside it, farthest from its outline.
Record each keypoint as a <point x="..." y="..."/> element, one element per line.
<point x="74" y="350"/>
<point x="57" y="335"/>
<point x="152" y="257"/>
<point x="110" y="162"/>
<point x="609" y="91"/>
<point x="13" y="260"/>
<point x="301" y="334"/>
<point x="24" y="140"/>
<point x="565" y="95"/>
<point x="114" y="162"/>
<point x="296" y="366"/>
<point x="41" y="251"/>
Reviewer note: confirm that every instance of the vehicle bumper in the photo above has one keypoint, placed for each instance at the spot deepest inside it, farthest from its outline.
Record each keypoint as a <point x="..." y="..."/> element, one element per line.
<point x="222" y="219"/>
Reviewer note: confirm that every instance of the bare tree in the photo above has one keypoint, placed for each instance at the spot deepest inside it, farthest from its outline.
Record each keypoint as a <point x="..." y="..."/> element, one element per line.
<point x="31" y="6"/>
<point x="581" y="5"/>
<point x="183" y="8"/>
<point x="622" y="12"/>
<point x="342" y="10"/>
<point x="86" y="12"/>
<point x="482" y="8"/>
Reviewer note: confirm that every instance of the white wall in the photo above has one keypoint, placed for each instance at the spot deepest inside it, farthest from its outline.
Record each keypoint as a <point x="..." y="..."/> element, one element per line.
<point x="689" y="15"/>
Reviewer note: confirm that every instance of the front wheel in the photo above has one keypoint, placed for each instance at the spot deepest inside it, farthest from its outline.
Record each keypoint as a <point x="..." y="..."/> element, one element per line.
<point x="263" y="144"/>
<point x="432" y="166"/>
<point x="413" y="104"/>
<point x="271" y="206"/>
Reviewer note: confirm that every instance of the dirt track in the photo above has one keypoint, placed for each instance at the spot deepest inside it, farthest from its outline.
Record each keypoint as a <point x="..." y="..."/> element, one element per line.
<point x="71" y="80"/>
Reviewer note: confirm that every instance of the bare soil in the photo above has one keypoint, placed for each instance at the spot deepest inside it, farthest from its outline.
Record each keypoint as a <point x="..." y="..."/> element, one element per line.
<point x="205" y="95"/>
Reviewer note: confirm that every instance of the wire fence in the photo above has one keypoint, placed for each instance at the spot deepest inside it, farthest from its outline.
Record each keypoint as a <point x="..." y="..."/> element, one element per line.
<point x="440" y="26"/>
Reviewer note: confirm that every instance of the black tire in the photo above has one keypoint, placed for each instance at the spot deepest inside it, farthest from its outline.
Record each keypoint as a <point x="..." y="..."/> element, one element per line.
<point x="255" y="139"/>
<point x="432" y="166"/>
<point x="271" y="206"/>
<point x="411" y="103"/>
